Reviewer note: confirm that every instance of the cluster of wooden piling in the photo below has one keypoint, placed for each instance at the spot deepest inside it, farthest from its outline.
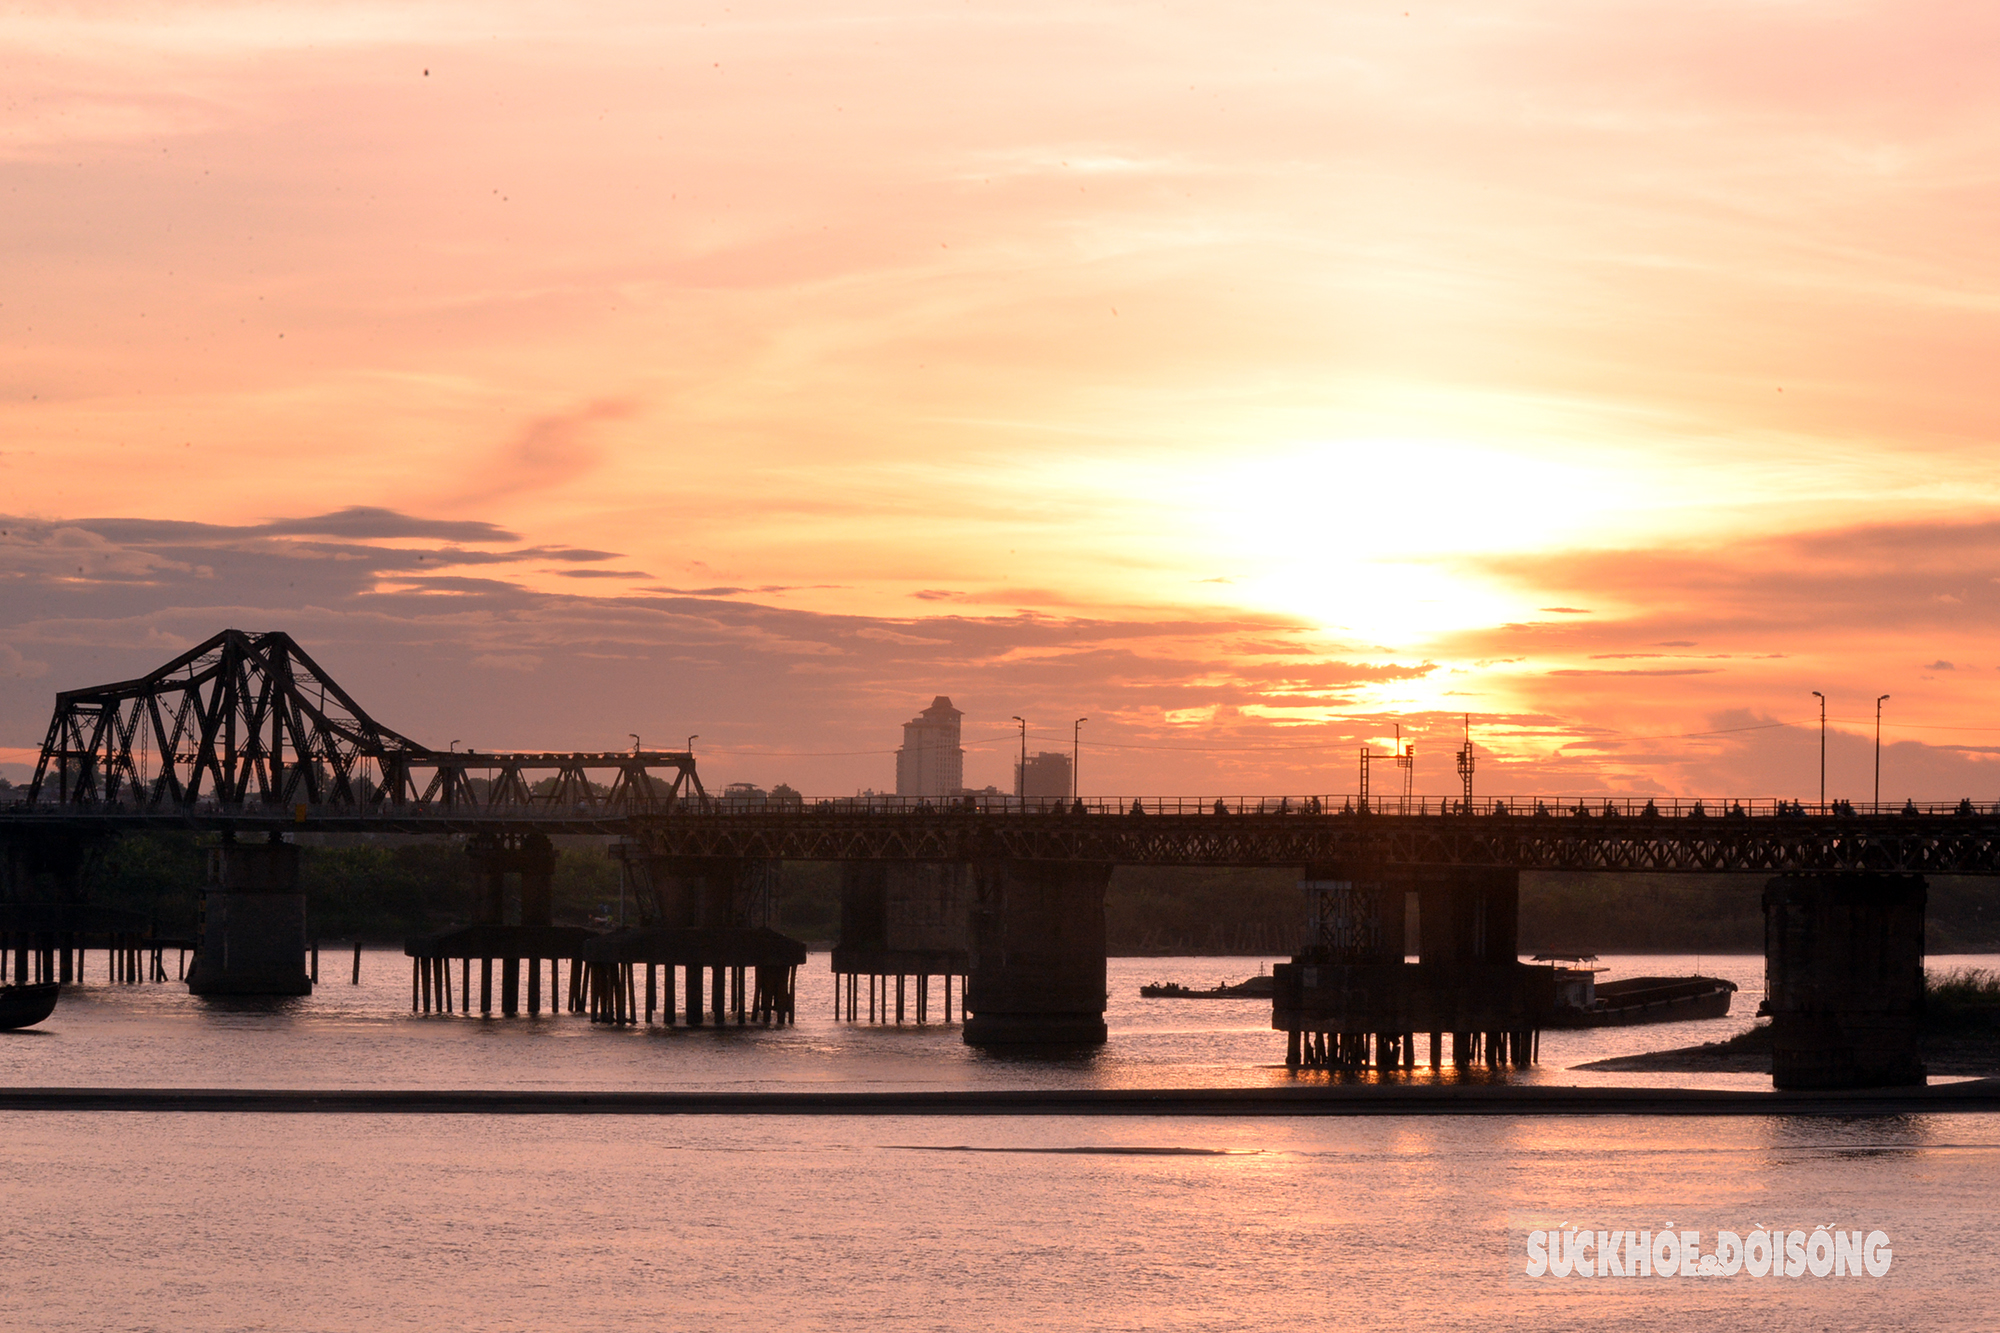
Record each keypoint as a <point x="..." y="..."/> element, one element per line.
<point x="431" y="985"/>
<point x="128" y="961"/>
<point x="759" y="994"/>
<point x="747" y="974"/>
<point x="1398" y="1050"/>
<point x="912" y="1000"/>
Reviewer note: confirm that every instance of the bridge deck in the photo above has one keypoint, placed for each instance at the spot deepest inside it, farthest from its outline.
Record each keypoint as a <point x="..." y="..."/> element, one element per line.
<point x="1957" y="840"/>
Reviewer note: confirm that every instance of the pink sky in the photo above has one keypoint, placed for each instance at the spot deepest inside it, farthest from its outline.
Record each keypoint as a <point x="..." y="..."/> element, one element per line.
<point x="1248" y="380"/>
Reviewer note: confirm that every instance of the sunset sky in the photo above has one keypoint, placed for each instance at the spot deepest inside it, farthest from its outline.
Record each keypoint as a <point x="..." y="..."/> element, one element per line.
<point x="1249" y="379"/>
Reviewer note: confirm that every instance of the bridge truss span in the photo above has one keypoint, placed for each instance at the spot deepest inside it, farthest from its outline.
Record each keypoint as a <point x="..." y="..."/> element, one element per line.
<point x="248" y="725"/>
<point x="1927" y="843"/>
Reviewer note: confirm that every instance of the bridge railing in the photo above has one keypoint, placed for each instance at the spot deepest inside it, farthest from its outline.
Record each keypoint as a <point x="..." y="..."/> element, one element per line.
<point x="1347" y="804"/>
<point x="603" y="804"/>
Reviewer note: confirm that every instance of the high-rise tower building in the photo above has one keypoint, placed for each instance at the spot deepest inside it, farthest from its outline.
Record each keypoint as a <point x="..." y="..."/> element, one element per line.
<point x="1046" y="776"/>
<point x="931" y="762"/>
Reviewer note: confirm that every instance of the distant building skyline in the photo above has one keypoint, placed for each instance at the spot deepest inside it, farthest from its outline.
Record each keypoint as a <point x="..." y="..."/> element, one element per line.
<point x="930" y="761"/>
<point x="1046" y="776"/>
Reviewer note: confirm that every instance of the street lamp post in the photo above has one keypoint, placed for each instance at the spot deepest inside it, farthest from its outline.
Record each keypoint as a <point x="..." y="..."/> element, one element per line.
<point x="1878" y="753"/>
<point x="1076" y="758"/>
<point x="1021" y="773"/>
<point x="1822" y="750"/>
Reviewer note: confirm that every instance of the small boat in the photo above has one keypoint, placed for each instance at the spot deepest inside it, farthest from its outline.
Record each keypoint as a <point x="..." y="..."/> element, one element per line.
<point x="1253" y="988"/>
<point x="1582" y="1001"/>
<point x="25" y="1006"/>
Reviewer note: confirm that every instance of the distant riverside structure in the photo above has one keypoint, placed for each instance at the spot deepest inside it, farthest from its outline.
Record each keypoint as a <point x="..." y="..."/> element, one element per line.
<point x="1046" y="776"/>
<point x="931" y="762"/>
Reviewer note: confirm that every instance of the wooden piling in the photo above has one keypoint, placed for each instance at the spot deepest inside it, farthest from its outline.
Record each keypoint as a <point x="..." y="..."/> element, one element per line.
<point x="357" y="964"/>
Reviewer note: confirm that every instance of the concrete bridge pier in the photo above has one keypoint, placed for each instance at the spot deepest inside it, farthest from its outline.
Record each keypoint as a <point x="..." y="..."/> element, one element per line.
<point x="1844" y="972"/>
<point x="1037" y="957"/>
<point x="911" y="921"/>
<point x="707" y="915"/>
<point x="695" y="892"/>
<point x="511" y="933"/>
<point x="495" y="856"/>
<point x="1350" y="999"/>
<point x="253" y="923"/>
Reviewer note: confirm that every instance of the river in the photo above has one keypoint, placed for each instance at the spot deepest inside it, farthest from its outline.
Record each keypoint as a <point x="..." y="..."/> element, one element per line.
<point x="249" y="1221"/>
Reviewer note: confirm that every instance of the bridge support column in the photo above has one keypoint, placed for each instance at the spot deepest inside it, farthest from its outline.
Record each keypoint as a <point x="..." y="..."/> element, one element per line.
<point x="495" y="856"/>
<point x="1037" y="975"/>
<point x="1350" y="985"/>
<point x="1844" y="970"/>
<point x="253" y="923"/>
<point x="538" y="882"/>
<point x="904" y="919"/>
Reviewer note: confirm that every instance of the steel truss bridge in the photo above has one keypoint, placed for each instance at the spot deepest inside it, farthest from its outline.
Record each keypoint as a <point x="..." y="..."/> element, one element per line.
<point x="246" y="732"/>
<point x="247" y="726"/>
<point x="1939" y="843"/>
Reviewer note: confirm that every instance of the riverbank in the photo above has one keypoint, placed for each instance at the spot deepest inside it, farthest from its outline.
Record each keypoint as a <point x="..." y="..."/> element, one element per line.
<point x="1961" y="1037"/>
<point x="1948" y="1055"/>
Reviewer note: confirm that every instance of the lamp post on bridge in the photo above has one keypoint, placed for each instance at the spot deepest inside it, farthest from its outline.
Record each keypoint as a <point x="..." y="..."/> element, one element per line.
<point x="1822" y="750"/>
<point x="1076" y="758"/>
<point x="1878" y="753"/>
<point x="1021" y="773"/>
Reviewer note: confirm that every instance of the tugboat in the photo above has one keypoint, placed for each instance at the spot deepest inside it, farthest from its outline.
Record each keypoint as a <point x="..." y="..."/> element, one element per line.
<point x="25" y="1006"/>
<point x="1253" y="988"/>
<point x="1582" y="1001"/>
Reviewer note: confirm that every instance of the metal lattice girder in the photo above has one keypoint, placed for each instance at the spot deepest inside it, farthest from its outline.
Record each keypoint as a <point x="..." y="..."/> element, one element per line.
<point x="248" y="722"/>
<point x="1934" y="844"/>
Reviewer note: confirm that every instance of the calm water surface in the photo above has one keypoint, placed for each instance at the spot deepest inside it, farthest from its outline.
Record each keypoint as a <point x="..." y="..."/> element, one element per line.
<point x="177" y="1222"/>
